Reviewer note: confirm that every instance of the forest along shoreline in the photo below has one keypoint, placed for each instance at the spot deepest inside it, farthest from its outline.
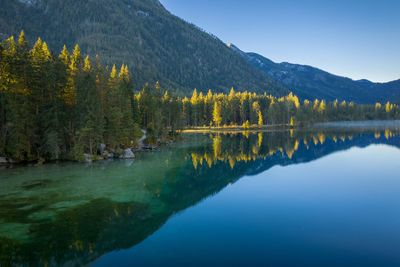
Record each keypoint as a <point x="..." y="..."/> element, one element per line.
<point x="129" y="153"/>
<point x="71" y="108"/>
<point x="104" y="154"/>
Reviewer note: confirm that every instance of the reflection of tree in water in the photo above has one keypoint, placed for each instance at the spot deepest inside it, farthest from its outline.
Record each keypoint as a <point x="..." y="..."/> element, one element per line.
<point x="80" y="235"/>
<point x="248" y="146"/>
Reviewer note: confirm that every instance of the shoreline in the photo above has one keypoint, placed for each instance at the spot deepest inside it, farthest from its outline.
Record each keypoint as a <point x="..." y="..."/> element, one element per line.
<point x="238" y="128"/>
<point x="102" y="155"/>
<point x="370" y="124"/>
<point x="301" y="125"/>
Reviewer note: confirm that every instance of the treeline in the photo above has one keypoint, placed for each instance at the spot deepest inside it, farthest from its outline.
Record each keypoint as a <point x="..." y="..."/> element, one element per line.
<point x="62" y="106"/>
<point x="246" y="109"/>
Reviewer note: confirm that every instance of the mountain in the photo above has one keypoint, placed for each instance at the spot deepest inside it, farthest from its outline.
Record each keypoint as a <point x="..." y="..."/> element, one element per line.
<point x="308" y="82"/>
<point x="156" y="45"/>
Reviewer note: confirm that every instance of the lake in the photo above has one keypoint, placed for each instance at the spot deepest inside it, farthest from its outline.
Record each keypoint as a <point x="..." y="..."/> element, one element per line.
<point x="324" y="196"/>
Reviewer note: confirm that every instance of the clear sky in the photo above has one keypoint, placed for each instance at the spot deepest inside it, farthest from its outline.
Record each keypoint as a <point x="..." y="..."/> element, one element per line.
<point x="352" y="38"/>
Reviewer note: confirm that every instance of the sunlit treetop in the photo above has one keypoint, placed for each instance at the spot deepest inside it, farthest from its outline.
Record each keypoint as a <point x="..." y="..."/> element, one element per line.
<point x="10" y="46"/>
<point x="388" y="107"/>
<point x="88" y="65"/>
<point x="64" y="56"/>
<point x="22" y="42"/>
<point x="316" y="104"/>
<point x="322" y="106"/>
<point x="194" y="97"/>
<point x="40" y="52"/>
<point x="126" y="72"/>
<point x="113" y="73"/>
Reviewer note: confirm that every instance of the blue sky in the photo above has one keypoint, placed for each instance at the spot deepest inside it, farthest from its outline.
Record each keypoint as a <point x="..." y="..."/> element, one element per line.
<point x="352" y="38"/>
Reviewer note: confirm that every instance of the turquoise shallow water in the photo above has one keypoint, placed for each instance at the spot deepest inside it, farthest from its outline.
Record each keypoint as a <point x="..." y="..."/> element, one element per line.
<point x="312" y="197"/>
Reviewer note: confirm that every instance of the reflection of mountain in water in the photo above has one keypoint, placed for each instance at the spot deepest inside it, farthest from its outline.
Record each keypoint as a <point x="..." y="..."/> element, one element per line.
<point x="117" y="205"/>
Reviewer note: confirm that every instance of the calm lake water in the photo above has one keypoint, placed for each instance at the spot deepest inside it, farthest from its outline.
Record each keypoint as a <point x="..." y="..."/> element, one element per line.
<point x="324" y="196"/>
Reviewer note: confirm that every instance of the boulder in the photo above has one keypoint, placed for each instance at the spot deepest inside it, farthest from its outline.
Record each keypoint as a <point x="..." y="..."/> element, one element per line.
<point x="108" y="155"/>
<point x="102" y="148"/>
<point x="129" y="154"/>
<point x="3" y="161"/>
<point x="88" y="157"/>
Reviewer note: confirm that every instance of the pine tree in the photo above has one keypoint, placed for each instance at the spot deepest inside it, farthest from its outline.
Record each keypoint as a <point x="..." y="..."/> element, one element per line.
<point x="90" y="108"/>
<point x="22" y="42"/>
<point x="69" y="95"/>
<point x="322" y="106"/>
<point x="126" y="93"/>
<point x="217" y="114"/>
<point x="65" y="56"/>
<point x="113" y="115"/>
<point x="260" y="119"/>
<point x="88" y="65"/>
<point x="246" y="125"/>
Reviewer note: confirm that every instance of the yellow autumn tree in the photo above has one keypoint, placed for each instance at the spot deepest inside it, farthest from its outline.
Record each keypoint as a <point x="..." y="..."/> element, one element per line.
<point x="388" y="107"/>
<point x="217" y="114"/>
<point x="260" y="119"/>
<point x="322" y="106"/>
<point x="69" y="94"/>
<point x="87" y="65"/>
<point x="246" y="125"/>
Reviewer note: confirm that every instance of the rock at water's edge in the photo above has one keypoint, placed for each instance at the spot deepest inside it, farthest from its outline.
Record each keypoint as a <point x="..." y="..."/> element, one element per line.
<point x="88" y="157"/>
<point x="3" y="161"/>
<point x="129" y="154"/>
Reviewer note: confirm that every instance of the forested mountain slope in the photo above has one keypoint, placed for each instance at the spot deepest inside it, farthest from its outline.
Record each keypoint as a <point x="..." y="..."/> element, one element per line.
<point x="156" y="45"/>
<point x="309" y="82"/>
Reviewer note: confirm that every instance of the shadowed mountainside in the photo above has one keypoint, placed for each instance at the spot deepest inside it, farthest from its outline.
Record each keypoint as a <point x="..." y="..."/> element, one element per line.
<point x="309" y="83"/>
<point x="156" y="45"/>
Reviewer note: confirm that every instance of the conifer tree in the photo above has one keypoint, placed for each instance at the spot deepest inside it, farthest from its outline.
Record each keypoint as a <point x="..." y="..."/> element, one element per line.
<point x="113" y="113"/>
<point x="260" y="119"/>
<point x="92" y="126"/>
<point x="65" y="56"/>
<point x="217" y="114"/>
<point x="126" y="92"/>
<point x="322" y="106"/>
<point x="22" y="42"/>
